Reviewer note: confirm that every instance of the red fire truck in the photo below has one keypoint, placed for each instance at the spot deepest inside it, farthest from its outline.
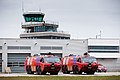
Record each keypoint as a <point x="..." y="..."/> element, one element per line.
<point x="43" y="64"/>
<point x="78" y="64"/>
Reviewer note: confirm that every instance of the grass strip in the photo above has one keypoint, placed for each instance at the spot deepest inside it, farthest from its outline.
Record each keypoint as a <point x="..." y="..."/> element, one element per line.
<point x="62" y="78"/>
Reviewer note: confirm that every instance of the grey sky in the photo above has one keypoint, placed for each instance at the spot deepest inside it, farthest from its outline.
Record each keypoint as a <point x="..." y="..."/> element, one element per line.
<point x="81" y="18"/>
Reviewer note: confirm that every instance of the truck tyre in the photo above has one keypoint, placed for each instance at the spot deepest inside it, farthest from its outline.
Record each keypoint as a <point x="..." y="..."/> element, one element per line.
<point x="65" y="70"/>
<point x="80" y="72"/>
<point x="75" y="69"/>
<point x="29" y="71"/>
<point x="38" y="69"/>
<point x="53" y="73"/>
<point x="90" y="73"/>
<point x="44" y="73"/>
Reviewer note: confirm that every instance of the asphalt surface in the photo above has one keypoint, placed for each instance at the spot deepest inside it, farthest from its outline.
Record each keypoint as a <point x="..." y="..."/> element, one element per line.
<point x="60" y="74"/>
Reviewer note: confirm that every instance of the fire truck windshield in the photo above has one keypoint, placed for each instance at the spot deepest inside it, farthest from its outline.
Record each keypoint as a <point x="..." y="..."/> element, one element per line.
<point x="51" y="59"/>
<point x="88" y="59"/>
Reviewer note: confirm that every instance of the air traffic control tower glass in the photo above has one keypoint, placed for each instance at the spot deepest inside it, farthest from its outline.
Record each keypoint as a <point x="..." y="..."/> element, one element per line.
<point x="38" y="17"/>
<point x="33" y="17"/>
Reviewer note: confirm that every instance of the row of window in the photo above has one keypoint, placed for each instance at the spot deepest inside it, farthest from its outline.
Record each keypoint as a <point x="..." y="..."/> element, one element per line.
<point x="46" y="37"/>
<point x="0" y="64"/>
<point x="90" y="48"/>
<point x="0" y="61"/>
<point x="43" y="29"/>
<point x="0" y="47"/>
<point x="103" y="49"/>
<point x="33" y="19"/>
<point x="41" y="48"/>
<point x="39" y="29"/>
<point x="19" y="47"/>
<point x="51" y="48"/>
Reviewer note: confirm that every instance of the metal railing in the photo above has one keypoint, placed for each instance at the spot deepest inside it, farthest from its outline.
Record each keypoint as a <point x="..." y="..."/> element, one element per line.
<point x="37" y="23"/>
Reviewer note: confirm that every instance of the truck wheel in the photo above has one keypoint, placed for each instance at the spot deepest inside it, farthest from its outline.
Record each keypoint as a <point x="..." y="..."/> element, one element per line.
<point x="38" y="69"/>
<point x="65" y="70"/>
<point x="90" y="73"/>
<point x="99" y="70"/>
<point x="80" y="72"/>
<point x="44" y="73"/>
<point x="53" y="73"/>
<point x="29" y="71"/>
<point x="75" y="69"/>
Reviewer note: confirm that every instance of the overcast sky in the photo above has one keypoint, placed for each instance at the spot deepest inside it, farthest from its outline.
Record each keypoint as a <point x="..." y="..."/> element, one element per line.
<point x="81" y="18"/>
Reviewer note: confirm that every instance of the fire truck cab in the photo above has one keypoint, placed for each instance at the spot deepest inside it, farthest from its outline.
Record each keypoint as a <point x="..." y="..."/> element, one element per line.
<point x="43" y="64"/>
<point x="79" y="64"/>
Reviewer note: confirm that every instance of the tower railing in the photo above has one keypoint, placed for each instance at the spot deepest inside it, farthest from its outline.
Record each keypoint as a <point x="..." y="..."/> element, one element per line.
<point x="63" y="32"/>
<point x="37" y="23"/>
<point x="51" y="22"/>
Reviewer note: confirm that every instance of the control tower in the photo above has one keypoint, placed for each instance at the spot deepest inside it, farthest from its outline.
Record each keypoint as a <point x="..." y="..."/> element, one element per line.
<point x="36" y="28"/>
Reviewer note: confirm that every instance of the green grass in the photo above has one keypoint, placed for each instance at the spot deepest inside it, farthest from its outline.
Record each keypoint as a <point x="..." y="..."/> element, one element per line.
<point x="63" y="78"/>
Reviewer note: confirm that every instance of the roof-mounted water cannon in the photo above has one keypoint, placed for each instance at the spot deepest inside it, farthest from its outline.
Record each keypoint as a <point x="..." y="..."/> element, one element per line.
<point x="50" y="54"/>
<point x="86" y="54"/>
<point x="35" y="55"/>
<point x="72" y="55"/>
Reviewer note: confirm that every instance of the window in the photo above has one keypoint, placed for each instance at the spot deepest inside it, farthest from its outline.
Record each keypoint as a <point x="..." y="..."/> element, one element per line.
<point x="0" y="47"/>
<point x="88" y="59"/>
<point x="50" y="28"/>
<point x="13" y="47"/>
<point x="104" y="49"/>
<point x="45" y="47"/>
<point x="33" y="19"/>
<point x="56" y="48"/>
<point x="51" y="48"/>
<point x="25" y="47"/>
<point x="39" y="29"/>
<point x="51" y="59"/>
<point x="19" y="47"/>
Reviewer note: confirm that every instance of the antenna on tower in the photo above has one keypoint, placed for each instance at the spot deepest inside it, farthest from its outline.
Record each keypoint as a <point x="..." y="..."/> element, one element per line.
<point x="98" y="35"/>
<point x="40" y="9"/>
<point x="22" y="6"/>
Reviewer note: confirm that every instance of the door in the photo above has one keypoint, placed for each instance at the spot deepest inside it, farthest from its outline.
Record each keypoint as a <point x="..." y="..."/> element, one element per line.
<point x="16" y="61"/>
<point x="0" y="62"/>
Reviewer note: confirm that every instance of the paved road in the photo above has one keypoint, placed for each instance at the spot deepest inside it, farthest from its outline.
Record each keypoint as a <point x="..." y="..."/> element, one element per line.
<point x="61" y="74"/>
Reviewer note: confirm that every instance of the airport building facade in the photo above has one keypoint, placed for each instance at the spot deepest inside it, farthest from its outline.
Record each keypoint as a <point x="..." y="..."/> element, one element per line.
<point x="107" y="52"/>
<point x="41" y="37"/>
<point x="14" y="51"/>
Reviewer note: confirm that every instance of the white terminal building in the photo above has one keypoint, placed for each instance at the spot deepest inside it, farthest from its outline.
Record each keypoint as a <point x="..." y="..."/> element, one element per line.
<point x="42" y="37"/>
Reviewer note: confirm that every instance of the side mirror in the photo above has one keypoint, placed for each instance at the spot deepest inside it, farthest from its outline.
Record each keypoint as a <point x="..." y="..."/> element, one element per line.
<point x="60" y="59"/>
<point x="79" y="60"/>
<point x="42" y="60"/>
